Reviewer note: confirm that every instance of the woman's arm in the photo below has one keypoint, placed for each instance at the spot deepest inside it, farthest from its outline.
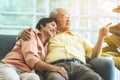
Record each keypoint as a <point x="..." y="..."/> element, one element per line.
<point x="41" y="65"/>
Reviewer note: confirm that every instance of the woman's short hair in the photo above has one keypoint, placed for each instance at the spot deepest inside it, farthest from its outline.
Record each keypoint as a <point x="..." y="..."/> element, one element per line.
<point x="44" y="21"/>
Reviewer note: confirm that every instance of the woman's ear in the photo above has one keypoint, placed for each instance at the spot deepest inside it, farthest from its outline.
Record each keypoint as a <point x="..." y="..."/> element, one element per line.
<point x="40" y="27"/>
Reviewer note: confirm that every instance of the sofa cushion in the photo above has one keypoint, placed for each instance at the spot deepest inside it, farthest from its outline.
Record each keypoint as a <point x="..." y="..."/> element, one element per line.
<point x="6" y="44"/>
<point x="104" y="67"/>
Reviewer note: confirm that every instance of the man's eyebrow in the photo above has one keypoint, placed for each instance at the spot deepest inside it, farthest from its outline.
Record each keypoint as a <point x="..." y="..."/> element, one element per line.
<point x="66" y="14"/>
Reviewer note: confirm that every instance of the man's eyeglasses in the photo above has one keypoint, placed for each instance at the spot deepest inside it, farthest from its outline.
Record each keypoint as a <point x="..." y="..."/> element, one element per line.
<point x="66" y="16"/>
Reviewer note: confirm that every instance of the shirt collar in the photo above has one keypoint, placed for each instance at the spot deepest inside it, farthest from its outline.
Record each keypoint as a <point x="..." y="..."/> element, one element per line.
<point x="69" y="32"/>
<point x="39" y="34"/>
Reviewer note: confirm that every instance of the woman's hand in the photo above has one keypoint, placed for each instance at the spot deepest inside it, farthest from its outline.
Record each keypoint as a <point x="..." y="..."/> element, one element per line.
<point x="60" y="70"/>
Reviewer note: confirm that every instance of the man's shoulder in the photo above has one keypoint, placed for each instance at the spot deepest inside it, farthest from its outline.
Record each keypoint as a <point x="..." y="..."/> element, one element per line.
<point x="76" y="34"/>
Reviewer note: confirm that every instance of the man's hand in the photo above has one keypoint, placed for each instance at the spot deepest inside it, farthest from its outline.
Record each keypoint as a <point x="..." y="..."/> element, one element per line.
<point x="104" y="30"/>
<point x="25" y="34"/>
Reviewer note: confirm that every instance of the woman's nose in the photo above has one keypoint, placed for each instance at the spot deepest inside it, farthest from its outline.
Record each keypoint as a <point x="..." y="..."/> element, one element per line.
<point x="54" y="29"/>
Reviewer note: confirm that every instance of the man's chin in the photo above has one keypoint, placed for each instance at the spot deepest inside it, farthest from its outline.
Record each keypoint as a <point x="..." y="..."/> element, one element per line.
<point x="68" y="28"/>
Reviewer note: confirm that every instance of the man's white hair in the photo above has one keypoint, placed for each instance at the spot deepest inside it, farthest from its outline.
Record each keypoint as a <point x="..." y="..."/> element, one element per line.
<point x="53" y="13"/>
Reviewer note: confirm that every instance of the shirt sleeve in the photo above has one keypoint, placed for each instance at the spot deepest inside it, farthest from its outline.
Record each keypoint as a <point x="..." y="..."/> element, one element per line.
<point x="30" y="51"/>
<point x="88" y="47"/>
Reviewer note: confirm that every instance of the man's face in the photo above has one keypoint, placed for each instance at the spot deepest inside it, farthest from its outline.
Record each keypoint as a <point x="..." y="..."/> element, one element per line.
<point x="63" y="20"/>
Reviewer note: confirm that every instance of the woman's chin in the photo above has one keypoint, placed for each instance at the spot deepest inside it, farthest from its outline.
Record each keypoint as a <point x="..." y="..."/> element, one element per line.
<point x="51" y="35"/>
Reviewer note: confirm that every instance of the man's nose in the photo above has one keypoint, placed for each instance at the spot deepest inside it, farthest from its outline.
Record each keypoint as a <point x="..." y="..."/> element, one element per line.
<point x="68" y="19"/>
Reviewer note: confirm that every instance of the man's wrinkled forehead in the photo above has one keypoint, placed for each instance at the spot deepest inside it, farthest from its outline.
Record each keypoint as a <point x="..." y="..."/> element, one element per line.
<point x="63" y="13"/>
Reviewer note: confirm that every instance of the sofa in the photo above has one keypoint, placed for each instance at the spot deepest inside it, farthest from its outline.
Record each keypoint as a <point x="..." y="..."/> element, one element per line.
<point x="103" y="66"/>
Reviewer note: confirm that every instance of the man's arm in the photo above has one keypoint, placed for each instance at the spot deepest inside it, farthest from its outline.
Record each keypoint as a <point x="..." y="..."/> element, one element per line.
<point x="103" y="32"/>
<point x="24" y="34"/>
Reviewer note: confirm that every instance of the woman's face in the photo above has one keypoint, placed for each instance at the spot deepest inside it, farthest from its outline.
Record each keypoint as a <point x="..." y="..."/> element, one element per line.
<point x="50" y="29"/>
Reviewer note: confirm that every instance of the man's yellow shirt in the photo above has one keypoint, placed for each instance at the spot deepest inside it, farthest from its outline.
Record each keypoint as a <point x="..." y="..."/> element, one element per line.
<point x="67" y="45"/>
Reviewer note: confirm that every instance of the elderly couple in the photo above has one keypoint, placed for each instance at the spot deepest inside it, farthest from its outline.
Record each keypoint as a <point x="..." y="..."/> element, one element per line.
<point x="52" y="49"/>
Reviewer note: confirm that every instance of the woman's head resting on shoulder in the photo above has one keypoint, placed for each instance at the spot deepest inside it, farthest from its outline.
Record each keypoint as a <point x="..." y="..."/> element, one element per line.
<point x="47" y="26"/>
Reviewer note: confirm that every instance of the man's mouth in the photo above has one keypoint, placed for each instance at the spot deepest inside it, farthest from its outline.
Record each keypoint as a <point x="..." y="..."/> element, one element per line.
<point x="68" y="23"/>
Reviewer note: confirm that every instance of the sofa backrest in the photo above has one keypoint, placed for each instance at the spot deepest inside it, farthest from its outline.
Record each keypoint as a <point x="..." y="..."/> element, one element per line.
<point x="7" y="42"/>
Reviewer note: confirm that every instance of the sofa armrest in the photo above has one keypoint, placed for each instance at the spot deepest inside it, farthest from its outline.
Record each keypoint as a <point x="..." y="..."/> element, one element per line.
<point x="104" y="67"/>
<point x="7" y="42"/>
